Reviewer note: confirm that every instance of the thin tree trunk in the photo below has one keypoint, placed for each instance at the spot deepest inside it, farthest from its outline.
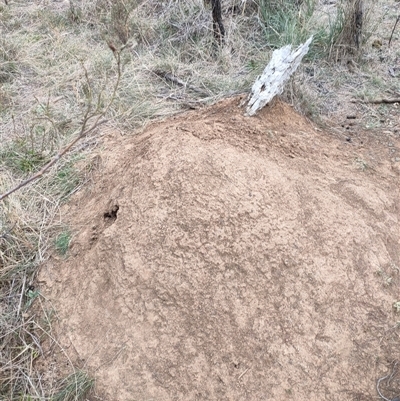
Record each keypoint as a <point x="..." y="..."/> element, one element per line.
<point x="218" y="26"/>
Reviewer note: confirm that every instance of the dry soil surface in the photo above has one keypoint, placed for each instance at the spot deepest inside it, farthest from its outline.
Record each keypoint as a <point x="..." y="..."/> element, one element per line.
<point x="221" y="257"/>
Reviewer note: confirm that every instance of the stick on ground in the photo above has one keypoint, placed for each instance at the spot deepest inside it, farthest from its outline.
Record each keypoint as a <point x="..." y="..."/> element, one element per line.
<point x="395" y="24"/>
<point x="177" y="81"/>
<point x="378" y="101"/>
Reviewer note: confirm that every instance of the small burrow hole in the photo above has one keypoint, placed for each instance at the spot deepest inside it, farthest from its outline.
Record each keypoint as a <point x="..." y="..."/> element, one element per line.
<point x="111" y="215"/>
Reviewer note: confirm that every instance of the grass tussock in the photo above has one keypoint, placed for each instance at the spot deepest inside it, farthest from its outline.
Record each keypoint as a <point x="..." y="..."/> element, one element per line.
<point x="286" y="22"/>
<point x="75" y="387"/>
<point x="57" y="63"/>
<point x="351" y="21"/>
<point x="337" y="33"/>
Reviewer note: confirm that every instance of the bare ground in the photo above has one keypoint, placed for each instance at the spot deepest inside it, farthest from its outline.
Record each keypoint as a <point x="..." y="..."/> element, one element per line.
<point x="221" y="257"/>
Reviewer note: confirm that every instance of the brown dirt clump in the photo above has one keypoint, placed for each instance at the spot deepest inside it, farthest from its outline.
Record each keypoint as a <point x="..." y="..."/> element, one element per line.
<point x="221" y="257"/>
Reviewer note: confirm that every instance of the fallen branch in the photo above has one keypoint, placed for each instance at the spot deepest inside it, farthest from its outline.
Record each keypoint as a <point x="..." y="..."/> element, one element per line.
<point x="177" y="81"/>
<point x="88" y="116"/>
<point x="378" y="101"/>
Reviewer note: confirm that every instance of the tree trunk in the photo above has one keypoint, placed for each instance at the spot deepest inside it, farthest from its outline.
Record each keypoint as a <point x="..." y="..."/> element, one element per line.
<point x="218" y="26"/>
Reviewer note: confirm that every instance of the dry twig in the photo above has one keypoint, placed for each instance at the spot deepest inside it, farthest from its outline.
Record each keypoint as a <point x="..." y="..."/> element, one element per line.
<point x="175" y="80"/>
<point x="389" y="378"/>
<point x="378" y="101"/>
<point x="395" y="24"/>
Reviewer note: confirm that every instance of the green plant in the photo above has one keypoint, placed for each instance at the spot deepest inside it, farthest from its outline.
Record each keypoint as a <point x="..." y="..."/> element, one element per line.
<point x="66" y="180"/>
<point x="21" y="159"/>
<point x="62" y="242"/>
<point x="31" y="295"/>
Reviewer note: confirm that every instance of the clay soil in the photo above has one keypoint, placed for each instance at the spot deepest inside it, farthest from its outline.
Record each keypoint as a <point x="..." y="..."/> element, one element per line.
<point x="221" y="257"/>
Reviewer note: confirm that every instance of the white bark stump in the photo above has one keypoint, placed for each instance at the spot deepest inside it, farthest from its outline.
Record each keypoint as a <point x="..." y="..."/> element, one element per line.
<point x="283" y="64"/>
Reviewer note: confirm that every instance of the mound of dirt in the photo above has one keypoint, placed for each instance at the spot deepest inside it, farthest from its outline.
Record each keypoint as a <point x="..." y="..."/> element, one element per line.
<point x="221" y="257"/>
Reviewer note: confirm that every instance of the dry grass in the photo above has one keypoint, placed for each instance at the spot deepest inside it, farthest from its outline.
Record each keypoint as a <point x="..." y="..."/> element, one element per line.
<point x="54" y="57"/>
